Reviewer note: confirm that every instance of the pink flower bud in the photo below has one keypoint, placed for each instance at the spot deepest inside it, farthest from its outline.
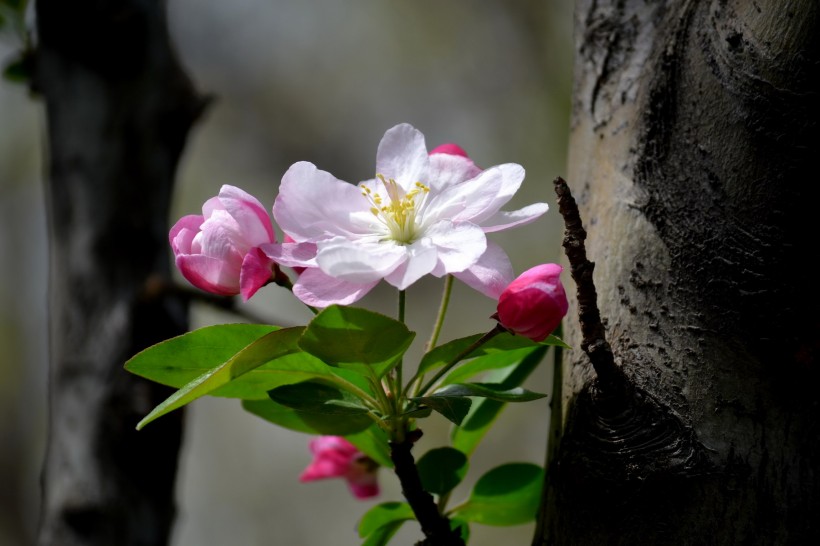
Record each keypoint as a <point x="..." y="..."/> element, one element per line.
<point x="533" y="304"/>
<point x="218" y="251"/>
<point x="335" y="457"/>
<point x="449" y="149"/>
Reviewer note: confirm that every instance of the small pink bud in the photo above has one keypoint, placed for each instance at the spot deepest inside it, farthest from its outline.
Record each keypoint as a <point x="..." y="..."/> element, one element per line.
<point x="449" y="149"/>
<point x="335" y="457"/>
<point x="533" y="304"/>
<point x="218" y="251"/>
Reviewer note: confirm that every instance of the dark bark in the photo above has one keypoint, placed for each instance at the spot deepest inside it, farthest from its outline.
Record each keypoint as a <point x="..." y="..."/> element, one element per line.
<point x="694" y="126"/>
<point x="436" y="527"/>
<point x="118" y="109"/>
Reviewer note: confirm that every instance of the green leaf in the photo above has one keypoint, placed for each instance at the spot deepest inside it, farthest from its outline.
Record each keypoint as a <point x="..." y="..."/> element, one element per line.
<point x="506" y="495"/>
<point x="382" y="535"/>
<point x="318" y="397"/>
<point x="383" y="514"/>
<point x="442" y="469"/>
<point x="183" y="359"/>
<point x="454" y="408"/>
<point x="269" y="347"/>
<point x="493" y="391"/>
<point x="484" y="412"/>
<point x="308" y="422"/>
<point x="355" y="338"/>
<point x="373" y="443"/>
<point x="18" y="70"/>
<point x="180" y="360"/>
<point x="443" y="354"/>
<point x="489" y="362"/>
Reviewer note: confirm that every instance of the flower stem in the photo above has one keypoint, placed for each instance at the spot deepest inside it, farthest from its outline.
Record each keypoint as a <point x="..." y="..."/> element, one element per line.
<point x="442" y="311"/>
<point x="397" y="387"/>
<point x="460" y="356"/>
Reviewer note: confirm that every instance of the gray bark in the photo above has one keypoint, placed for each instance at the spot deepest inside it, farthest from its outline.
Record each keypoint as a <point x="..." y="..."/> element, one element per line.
<point x="118" y="109"/>
<point x="694" y="128"/>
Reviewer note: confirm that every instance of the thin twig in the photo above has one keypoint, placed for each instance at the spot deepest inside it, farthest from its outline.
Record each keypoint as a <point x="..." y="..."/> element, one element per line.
<point x="594" y="342"/>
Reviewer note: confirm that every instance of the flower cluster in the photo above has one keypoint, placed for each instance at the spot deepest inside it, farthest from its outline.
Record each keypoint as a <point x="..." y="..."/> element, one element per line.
<point x="423" y="213"/>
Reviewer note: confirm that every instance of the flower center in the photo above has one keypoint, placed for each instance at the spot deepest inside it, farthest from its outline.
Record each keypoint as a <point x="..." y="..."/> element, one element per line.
<point x="399" y="214"/>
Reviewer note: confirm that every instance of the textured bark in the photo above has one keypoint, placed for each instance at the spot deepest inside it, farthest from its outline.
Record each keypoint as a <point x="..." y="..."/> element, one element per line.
<point x="118" y="108"/>
<point x="694" y="125"/>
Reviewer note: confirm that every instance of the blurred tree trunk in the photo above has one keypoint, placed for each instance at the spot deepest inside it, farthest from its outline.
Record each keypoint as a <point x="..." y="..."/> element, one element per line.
<point x="692" y="156"/>
<point x="118" y="109"/>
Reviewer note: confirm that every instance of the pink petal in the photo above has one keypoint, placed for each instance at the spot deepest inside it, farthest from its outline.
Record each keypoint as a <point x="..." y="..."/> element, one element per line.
<point x="188" y="227"/>
<point x="320" y="290"/>
<point x="209" y="274"/>
<point x="491" y="274"/>
<point x="254" y="222"/>
<point x="256" y="272"/>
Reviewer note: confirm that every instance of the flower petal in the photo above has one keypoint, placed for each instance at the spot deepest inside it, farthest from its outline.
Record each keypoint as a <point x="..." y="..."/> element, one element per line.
<point x="182" y="234"/>
<point x="402" y="155"/>
<point x="256" y="272"/>
<point x="458" y="246"/>
<point x="313" y="205"/>
<point x="460" y="202"/>
<point x="359" y="260"/>
<point x="448" y="170"/>
<point x="422" y="257"/>
<point x="291" y="254"/>
<point x="253" y="219"/>
<point x="506" y="220"/>
<point x="491" y="274"/>
<point x="319" y="290"/>
<point x="210" y="274"/>
<point x="503" y="181"/>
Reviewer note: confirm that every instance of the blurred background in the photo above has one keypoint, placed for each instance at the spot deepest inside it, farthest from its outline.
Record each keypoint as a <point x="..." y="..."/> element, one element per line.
<point x="316" y="80"/>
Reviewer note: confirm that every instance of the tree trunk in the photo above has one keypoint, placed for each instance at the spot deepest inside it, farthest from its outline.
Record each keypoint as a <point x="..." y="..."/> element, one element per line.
<point x="118" y="109"/>
<point x="693" y="130"/>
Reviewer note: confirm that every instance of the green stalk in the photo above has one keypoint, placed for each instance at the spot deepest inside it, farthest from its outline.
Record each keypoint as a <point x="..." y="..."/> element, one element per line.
<point x="442" y="311"/>
<point x="458" y="358"/>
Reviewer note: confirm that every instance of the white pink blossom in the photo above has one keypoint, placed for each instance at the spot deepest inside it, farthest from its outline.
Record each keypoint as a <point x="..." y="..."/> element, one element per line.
<point x="422" y="214"/>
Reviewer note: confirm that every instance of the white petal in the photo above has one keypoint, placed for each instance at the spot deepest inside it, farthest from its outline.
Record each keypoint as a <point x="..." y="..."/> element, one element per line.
<point x="458" y="246"/>
<point x="359" y="261"/>
<point x="402" y="155"/>
<point x="319" y="290"/>
<point x="313" y="204"/>
<point x="422" y="258"/>
<point x="505" y="220"/>
<point x="504" y="180"/>
<point x="491" y="274"/>
<point x="448" y="170"/>
<point x="462" y="201"/>
<point x="291" y="254"/>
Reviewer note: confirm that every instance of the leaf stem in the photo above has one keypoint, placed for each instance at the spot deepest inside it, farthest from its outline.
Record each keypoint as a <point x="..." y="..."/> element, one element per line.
<point x="442" y="311"/>
<point x="460" y="356"/>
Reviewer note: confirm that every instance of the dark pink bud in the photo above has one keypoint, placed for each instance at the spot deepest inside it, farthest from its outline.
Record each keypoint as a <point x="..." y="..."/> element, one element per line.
<point x="533" y="304"/>
<point x="449" y="149"/>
